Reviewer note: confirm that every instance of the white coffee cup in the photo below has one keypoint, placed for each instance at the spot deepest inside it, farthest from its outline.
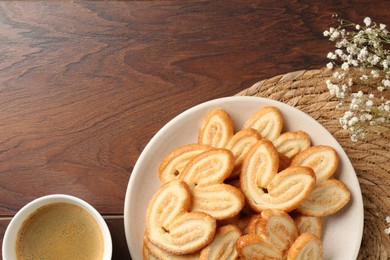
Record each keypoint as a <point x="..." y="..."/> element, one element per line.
<point x="11" y="234"/>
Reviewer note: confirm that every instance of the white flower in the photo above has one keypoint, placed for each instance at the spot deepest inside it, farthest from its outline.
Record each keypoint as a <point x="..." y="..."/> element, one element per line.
<point x="368" y="30"/>
<point x="387" y="230"/>
<point x="354" y="63"/>
<point x="329" y="65"/>
<point x="352" y="49"/>
<point x="353" y="121"/>
<point x="375" y="60"/>
<point x="348" y="114"/>
<point x="345" y="66"/>
<point x="350" y="82"/>
<point x="365" y="117"/>
<point x="339" y="52"/>
<point x="334" y="35"/>
<point x="363" y="54"/>
<point x="386" y="82"/>
<point x="331" y="56"/>
<point x="369" y="103"/>
<point x="357" y="27"/>
<point x="375" y="73"/>
<point x="353" y="106"/>
<point x="382" y="26"/>
<point x="342" y="43"/>
<point x="367" y="21"/>
<point x="385" y="64"/>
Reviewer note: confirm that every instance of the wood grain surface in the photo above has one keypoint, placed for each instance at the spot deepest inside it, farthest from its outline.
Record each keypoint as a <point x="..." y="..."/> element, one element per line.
<point x="85" y="85"/>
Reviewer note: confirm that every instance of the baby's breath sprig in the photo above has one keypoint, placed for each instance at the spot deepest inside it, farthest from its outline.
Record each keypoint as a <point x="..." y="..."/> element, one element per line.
<point x="361" y="77"/>
<point x="387" y="229"/>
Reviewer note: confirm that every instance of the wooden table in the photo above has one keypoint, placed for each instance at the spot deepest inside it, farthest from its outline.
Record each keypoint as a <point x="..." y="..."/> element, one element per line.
<point x="85" y="85"/>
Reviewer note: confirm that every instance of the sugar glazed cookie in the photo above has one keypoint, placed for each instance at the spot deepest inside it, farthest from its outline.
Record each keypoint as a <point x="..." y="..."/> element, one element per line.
<point x="268" y="121"/>
<point x="327" y="198"/>
<point x="264" y="188"/>
<point x="205" y="175"/>
<point x="217" y="129"/>
<point x="322" y="159"/>
<point x="253" y="246"/>
<point x="172" y="226"/>
<point x="174" y="163"/>
<point x="239" y="145"/>
<point x="307" y="246"/>
<point x="309" y="224"/>
<point x="292" y="143"/>
<point x="277" y="226"/>
<point x="222" y="246"/>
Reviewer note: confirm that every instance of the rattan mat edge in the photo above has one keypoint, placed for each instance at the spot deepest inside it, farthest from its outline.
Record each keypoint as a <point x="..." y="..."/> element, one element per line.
<point x="306" y="90"/>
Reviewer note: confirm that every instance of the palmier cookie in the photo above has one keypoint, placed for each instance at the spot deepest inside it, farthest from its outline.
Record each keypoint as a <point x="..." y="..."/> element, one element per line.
<point x="222" y="246"/>
<point x="174" y="163"/>
<point x="239" y="145"/>
<point x="217" y="129"/>
<point x="153" y="252"/>
<point x="321" y="158"/>
<point x="268" y="121"/>
<point x="292" y="143"/>
<point x="205" y="175"/>
<point x="307" y="246"/>
<point x="171" y="226"/>
<point x="327" y="198"/>
<point x="257" y="247"/>
<point x="277" y="225"/>
<point x="261" y="164"/>
<point x="284" y="191"/>
<point x="309" y="224"/>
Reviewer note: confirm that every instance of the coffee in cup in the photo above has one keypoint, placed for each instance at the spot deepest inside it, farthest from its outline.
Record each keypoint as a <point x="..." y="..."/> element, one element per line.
<point x="60" y="230"/>
<point x="57" y="226"/>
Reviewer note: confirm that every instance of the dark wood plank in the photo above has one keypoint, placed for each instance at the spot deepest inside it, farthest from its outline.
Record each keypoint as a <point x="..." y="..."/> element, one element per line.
<point x="3" y="226"/>
<point x="120" y="250"/>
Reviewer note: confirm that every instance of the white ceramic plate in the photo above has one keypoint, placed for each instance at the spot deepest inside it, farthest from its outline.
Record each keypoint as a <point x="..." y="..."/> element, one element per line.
<point x="342" y="231"/>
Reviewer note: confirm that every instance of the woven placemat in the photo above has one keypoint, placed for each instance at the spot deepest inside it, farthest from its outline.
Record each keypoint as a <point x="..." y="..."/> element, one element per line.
<point x="307" y="91"/>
